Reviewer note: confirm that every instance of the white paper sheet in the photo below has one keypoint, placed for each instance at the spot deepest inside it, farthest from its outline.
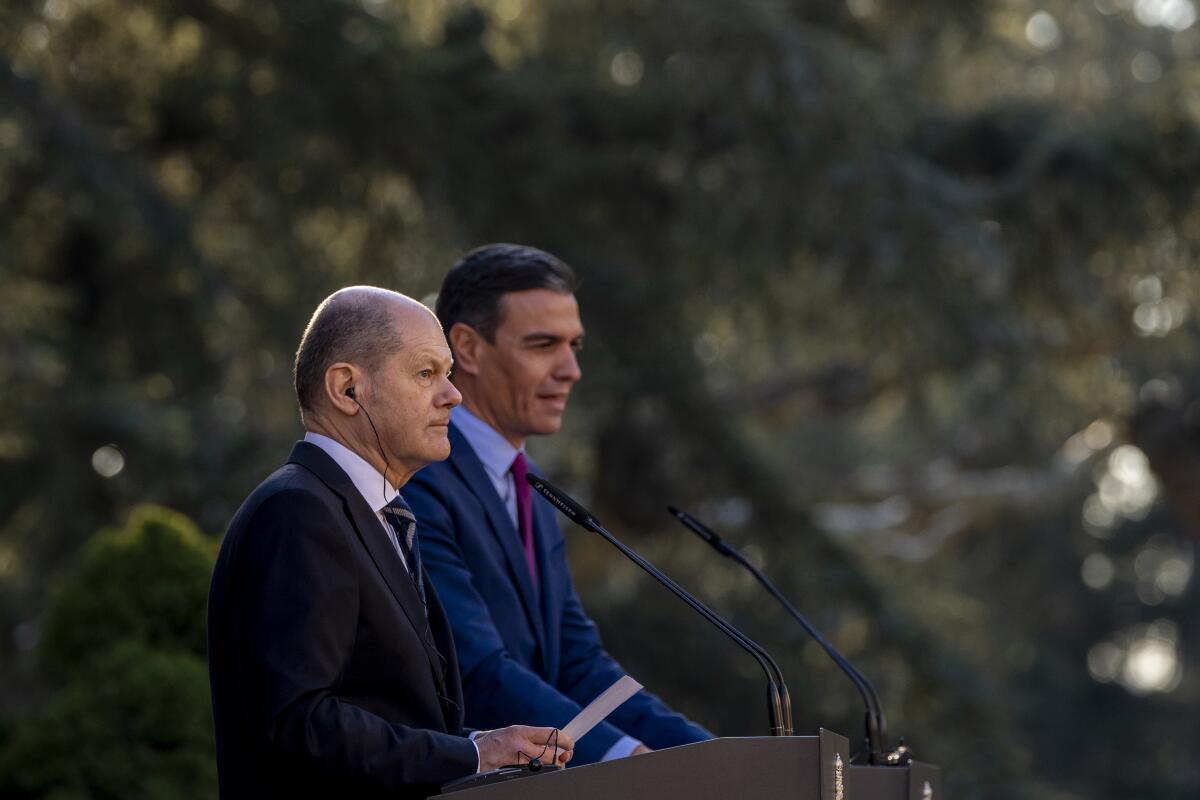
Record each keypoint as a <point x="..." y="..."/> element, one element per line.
<point x="601" y="707"/>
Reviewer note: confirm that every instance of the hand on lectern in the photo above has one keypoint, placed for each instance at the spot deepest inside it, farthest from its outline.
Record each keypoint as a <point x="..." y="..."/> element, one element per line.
<point x="640" y="749"/>
<point x="518" y="744"/>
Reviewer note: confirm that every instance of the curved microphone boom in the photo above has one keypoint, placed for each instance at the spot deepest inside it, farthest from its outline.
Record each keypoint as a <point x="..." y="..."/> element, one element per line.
<point x="779" y="704"/>
<point x="876" y="724"/>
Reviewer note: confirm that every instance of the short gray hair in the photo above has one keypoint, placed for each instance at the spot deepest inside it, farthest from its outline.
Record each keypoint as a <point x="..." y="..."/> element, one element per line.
<point x="345" y="327"/>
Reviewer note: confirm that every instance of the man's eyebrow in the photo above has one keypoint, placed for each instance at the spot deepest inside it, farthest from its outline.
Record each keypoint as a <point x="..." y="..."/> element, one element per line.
<point x="434" y="359"/>
<point x="546" y="336"/>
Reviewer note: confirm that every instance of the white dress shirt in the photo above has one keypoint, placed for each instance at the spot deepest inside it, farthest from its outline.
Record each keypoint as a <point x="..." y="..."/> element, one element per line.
<point x="373" y="487"/>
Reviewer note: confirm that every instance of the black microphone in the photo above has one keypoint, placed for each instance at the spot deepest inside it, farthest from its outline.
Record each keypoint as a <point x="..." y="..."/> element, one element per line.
<point x="779" y="704"/>
<point x="876" y="725"/>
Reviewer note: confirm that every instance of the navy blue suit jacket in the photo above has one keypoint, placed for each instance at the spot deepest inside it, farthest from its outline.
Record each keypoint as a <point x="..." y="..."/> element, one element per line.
<point x="528" y="656"/>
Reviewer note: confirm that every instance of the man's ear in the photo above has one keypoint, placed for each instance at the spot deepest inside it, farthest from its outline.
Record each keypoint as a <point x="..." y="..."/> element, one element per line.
<point x="342" y="387"/>
<point x="466" y="343"/>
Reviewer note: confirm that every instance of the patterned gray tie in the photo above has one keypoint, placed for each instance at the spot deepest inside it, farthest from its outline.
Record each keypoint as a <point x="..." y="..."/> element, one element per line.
<point x="403" y="525"/>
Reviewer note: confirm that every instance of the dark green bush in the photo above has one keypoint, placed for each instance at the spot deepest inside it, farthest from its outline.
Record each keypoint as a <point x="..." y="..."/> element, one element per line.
<point x="125" y="643"/>
<point x="146" y="582"/>
<point x="134" y="722"/>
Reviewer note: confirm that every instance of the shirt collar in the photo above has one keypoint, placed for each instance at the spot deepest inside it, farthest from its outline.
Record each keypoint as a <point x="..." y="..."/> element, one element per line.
<point x="493" y="449"/>
<point x="375" y="490"/>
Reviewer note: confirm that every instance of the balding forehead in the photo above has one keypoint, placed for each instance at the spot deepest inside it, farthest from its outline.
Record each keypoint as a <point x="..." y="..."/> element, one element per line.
<point x="366" y="297"/>
<point x="376" y="302"/>
<point x="376" y="298"/>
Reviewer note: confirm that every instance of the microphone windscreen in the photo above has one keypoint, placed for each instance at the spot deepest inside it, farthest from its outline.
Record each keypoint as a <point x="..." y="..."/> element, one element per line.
<point x="561" y="500"/>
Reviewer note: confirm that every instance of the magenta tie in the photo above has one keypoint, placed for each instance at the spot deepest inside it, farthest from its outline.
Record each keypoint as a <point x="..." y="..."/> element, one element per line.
<point x="519" y="469"/>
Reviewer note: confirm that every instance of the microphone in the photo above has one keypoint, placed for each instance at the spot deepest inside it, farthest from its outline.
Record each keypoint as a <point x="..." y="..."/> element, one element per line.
<point x="779" y="703"/>
<point x="876" y="724"/>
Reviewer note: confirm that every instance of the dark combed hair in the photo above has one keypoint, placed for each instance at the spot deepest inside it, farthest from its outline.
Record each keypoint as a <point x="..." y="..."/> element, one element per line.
<point x="472" y="289"/>
<point x="342" y="329"/>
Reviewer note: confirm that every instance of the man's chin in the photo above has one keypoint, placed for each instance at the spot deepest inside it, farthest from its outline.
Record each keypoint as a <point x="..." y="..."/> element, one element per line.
<point x="547" y="425"/>
<point x="439" y="450"/>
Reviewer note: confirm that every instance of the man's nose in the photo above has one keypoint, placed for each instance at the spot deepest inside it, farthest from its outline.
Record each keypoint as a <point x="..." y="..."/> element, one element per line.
<point x="567" y="368"/>
<point x="450" y="394"/>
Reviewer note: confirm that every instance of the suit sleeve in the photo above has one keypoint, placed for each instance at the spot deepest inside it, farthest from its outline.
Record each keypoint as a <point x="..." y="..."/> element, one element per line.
<point x="587" y="669"/>
<point x="295" y="606"/>
<point x="498" y="689"/>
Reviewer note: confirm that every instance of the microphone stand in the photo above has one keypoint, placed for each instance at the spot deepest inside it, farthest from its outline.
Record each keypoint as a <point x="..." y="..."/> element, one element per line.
<point x="779" y="704"/>
<point x="875" y="743"/>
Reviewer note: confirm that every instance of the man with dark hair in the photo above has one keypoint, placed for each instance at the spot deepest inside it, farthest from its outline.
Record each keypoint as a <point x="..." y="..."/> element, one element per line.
<point x="494" y="550"/>
<point x="332" y="664"/>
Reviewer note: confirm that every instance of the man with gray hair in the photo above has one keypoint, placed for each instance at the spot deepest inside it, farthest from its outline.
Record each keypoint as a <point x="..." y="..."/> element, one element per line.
<point x="332" y="664"/>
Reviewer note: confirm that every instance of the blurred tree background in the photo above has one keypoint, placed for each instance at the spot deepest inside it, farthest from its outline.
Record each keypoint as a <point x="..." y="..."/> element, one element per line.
<point x="899" y="296"/>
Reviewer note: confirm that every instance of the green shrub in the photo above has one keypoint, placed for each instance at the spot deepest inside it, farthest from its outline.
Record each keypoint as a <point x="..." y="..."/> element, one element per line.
<point x="133" y="723"/>
<point x="124" y="640"/>
<point x="147" y="582"/>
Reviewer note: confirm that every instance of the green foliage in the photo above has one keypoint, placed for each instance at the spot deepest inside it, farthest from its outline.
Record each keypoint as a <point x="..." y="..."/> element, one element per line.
<point x="133" y="723"/>
<point x="146" y="582"/>
<point x="876" y="287"/>
<point x="125" y="642"/>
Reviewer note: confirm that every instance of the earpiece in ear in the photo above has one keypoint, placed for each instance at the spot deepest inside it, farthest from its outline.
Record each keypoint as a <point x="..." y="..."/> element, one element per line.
<point x="350" y="393"/>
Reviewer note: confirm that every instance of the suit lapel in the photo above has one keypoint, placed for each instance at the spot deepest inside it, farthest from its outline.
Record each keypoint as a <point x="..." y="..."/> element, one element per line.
<point x="370" y="532"/>
<point x="463" y="458"/>
<point x="451" y="694"/>
<point x="545" y="524"/>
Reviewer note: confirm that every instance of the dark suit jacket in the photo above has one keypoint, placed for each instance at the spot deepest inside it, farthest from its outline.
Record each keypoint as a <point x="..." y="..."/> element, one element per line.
<point x="325" y="682"/>
<point x="526" y="655"/>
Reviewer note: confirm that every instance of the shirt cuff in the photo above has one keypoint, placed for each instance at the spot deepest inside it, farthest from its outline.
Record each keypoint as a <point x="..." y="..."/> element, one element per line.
<point x="479" y="758"/>
<point x="624" y="746"/>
